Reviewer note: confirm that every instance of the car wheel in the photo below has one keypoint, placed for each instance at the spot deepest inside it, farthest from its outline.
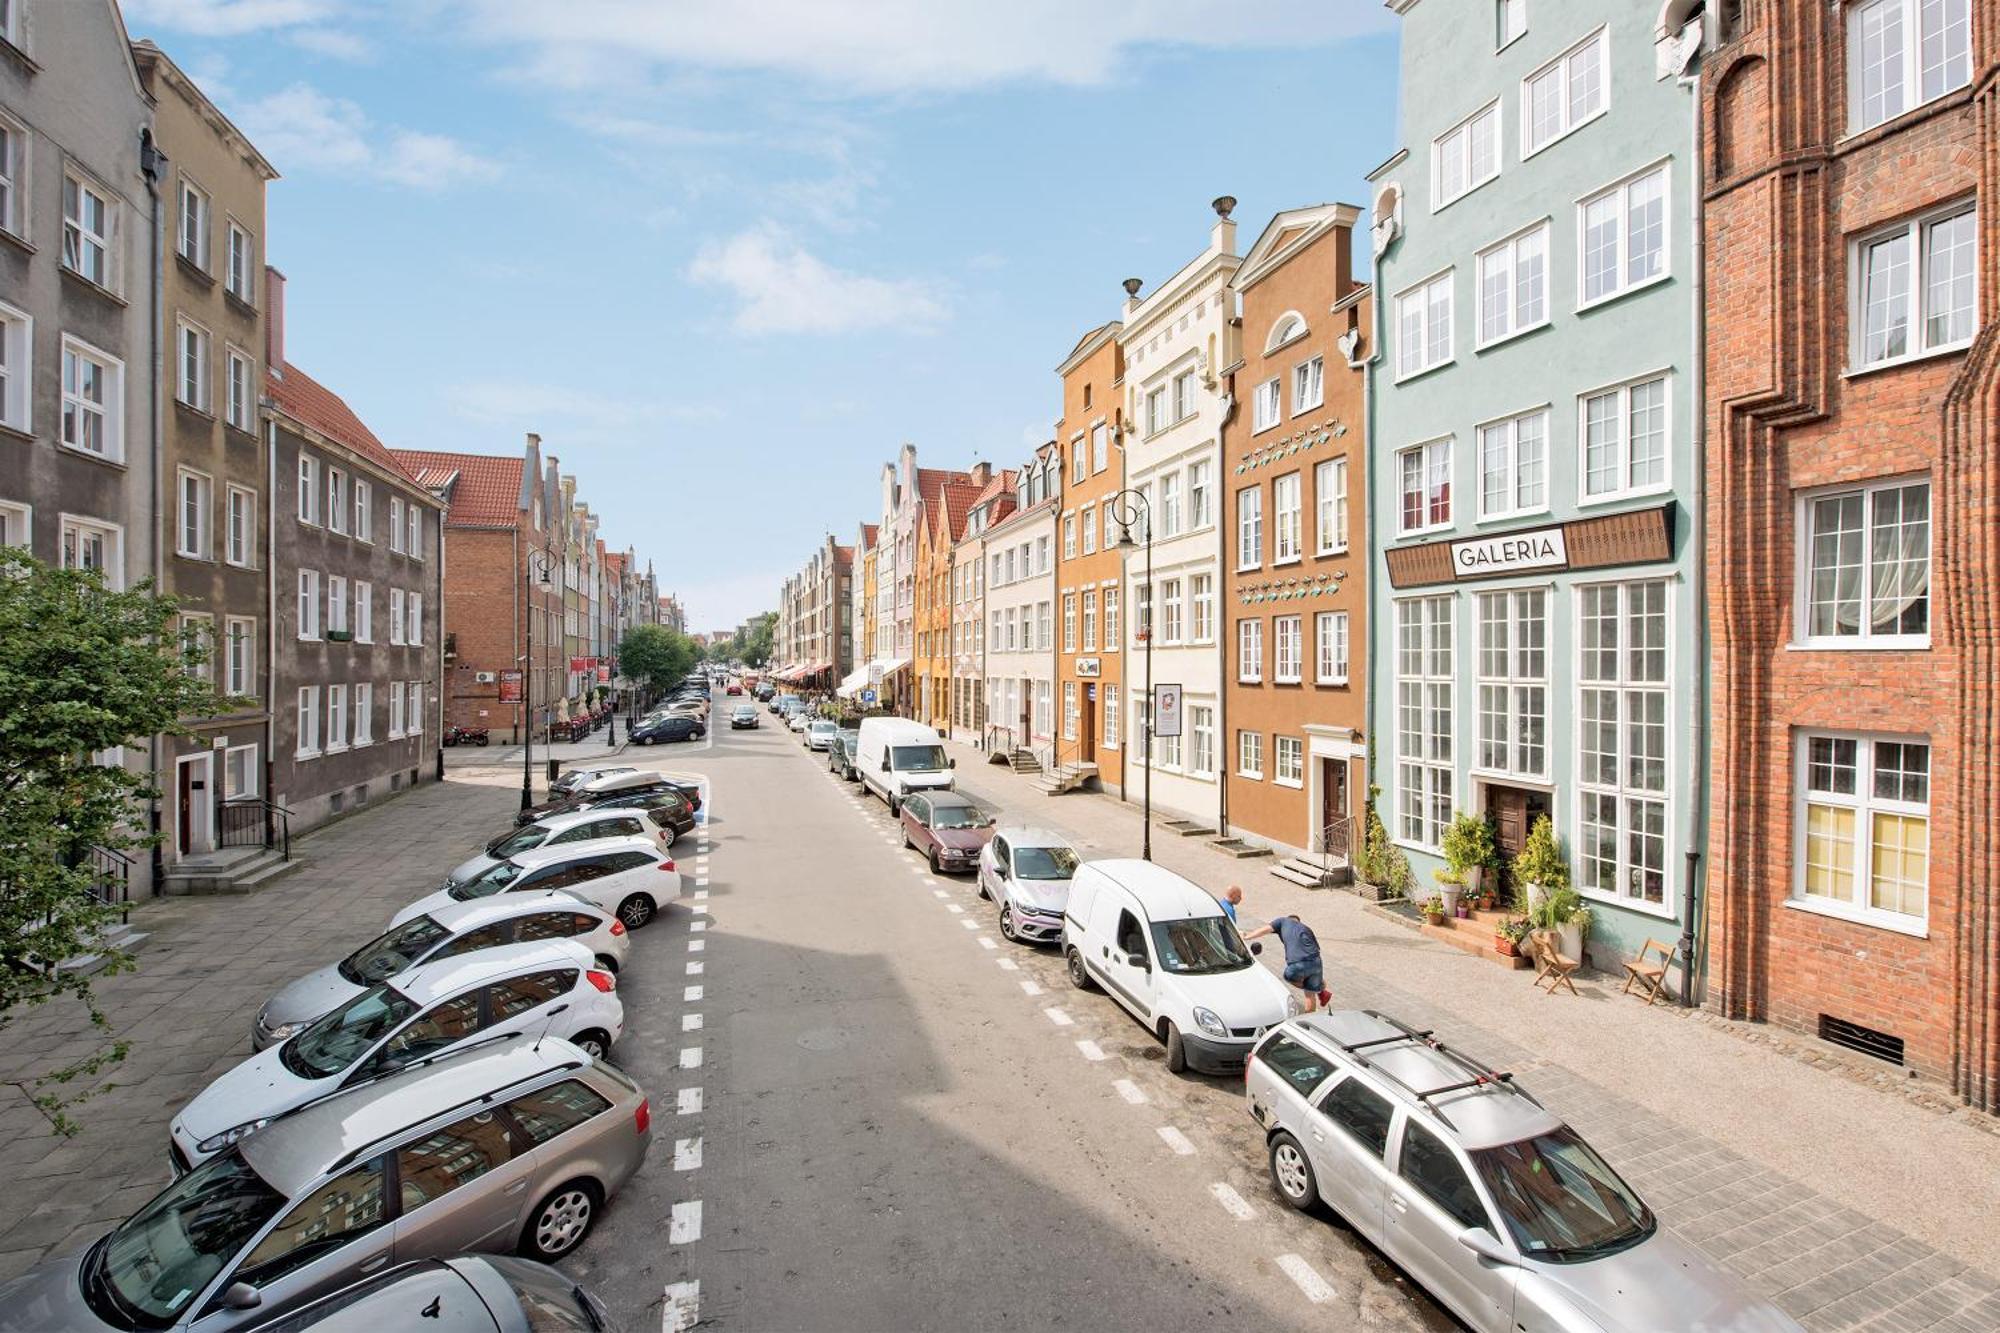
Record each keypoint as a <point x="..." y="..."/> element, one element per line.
<point x="933" y="859"/>
<point x="1079" y="975"/>
<point x="1007" y="925"/>
<point x="560" y="1221"/>
<point x="636" y="911"/>
<point x="1292" y="1173"/>
<point x="606" y="963"/>
<point x="895" y="808"/>
<point x="979" y="882"/>
<point x="668" y="836"/>
<point x="595" y="1043"/>
<point x="1176" y="1050"/>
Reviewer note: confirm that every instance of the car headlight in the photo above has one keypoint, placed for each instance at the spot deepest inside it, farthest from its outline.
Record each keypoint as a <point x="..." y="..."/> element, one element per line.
<point x="228" y="1136"/>
<point x="1206" y="1020"/>
<point x="1292" y="1005"/>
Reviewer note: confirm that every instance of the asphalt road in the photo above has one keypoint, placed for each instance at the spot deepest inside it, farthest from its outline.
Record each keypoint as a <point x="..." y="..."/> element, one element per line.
<point x="872" y="1112"/>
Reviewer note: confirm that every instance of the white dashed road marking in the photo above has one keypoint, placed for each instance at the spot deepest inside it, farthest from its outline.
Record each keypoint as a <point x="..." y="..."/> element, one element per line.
<point x="1176" y="1140"/>
<point x="682" y="1310"/>
<point x="1232" y="1202"/>
<point x="691" y="994"/>
<point x="1059" y="1018"/>
<point x="696" y="946"/>
<point x="697" y="925"/>
<point x="690" y="1022"/>
<point x="1008" y="964"/>
<point x="690" y="1101"/>
<point x="1129" y="1091"/>
<point x="985" y="943"/>
<point x="694" y="969"/>
<point x="687" y="1154"/>
<point x="685" y="1225"/>
<point x="690" y="1057"/>
<point x="1316" y="1288"/>
<point x="940" y="893"/>
<point x="954" y="909"/>
<point x="967" y="922"/>
<point x="701" y="895"/>
<point x="1091" y="1050"/>
<point x="1030" y="988"/>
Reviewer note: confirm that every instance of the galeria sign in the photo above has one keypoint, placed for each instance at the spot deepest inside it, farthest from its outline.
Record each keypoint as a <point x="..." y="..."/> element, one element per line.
<point x="1542" y="549"/>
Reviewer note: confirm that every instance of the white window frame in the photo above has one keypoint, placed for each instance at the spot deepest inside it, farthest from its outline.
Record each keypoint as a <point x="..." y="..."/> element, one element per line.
<point x="1112" y="730"/>
<point x="1173" y="622"/>
<point x="17" y="524"/>
<point x="1869" y="494"/>
<point x="306" y="720"/>
<point x="1511" y="682"/>
<point x="1623" y="791"/>
<point x="194" y="491"/>
<point x="1916" y="232"/>
<point x="1623" y="394"/>
<point x="336" y="500"/>
<point x="336" y="604"/>
<point x="239" y="277"/>
<point x="240" y="661"/>
<point x="1510" y="23"/>
<point x="1505" y="436"/>
<point x="253" y="772"/>
<point x="197" y="630"/>
<point x="1619" y="192"/>
<point x="80" y="243"/>
<point x="1156" y="410"/>
<point x="196" y="213"/>
<point x="239" y="545"/>
<point x="1089" y="616"/>
<point x="364" y="714"/>
<point x="396" y="616"/>
<point x="309" y="608"/>
<point x="309" y="499"/>
<point x="1288" y="761"/>
<point x="1865" y="804"/>
<point x="1425" y="635"/>
<point x="364" y="612"/>
<point x="75" y="528"/>
<point x="240" y="405"/>
<point x="1267" y="402"/>
<point x="1330" y="521"/>
<point x="1069" y="536"/>
<point x="413" y="708"/>
<point x="1331" y="647"/>
<point x="1288" y="650"/>
<point x="396" y="728"/>
<point x="1201" y="608"/>
<point x="1201" y="740"/>
<point x="1087" y="522"/>
<point x="362" y="527"/>
<point x="1288" y="518"/>
<point x="413" y="537"/>
<point x="1439" y="289"/>
<point x="1561" y="68"/>
<point x="1250" y="527"/>
<point x="1428" y="474"/>
<point x="1070" y="712"/>
<point x="1309" y="385"/>
<point x="1910" y="67"/>
<point x="112" y="409"/>
<point x="336" y="719"/>
<point x="13" y="177"/>
<point x="396" y="523"/>
<point x="1505" y="258"/>
<point x="1250" y="650"/>
<point x="1069" y="622"/>
<point x="17" y="369"/>
<point x="194" y="365"/>
<point x="1111" y="640"/>
<point x="1250" y="755"/>
<point x="1186" y="386"/>
<point x="1455" y="145"/>
<point x="1201" y="495"/>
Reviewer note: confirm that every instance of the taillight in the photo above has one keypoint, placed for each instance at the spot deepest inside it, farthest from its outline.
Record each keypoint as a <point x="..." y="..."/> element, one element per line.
<point x="667" y="864"/>
<point x="617" y="926"/>
<point x="642" y="1119"/>
<point x="604" y="981"/>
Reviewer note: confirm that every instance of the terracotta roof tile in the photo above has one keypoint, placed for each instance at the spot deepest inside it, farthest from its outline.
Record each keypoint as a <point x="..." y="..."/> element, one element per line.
<point x="311" y="403"/>
<point x="488" y="492"/>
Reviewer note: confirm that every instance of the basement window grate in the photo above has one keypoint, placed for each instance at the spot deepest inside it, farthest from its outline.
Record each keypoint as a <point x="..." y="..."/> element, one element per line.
<point x="1863" y="1039"/>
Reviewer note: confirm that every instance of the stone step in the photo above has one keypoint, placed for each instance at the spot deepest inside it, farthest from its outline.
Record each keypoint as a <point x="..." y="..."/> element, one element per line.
<point x="1187" y="828"/>
<point x="1479" y="943"/>
<point x="120" y="936"/>
<point x="235" y="874"/>
<point x="1238" y="848"/>
<point x="1285" y="871"/>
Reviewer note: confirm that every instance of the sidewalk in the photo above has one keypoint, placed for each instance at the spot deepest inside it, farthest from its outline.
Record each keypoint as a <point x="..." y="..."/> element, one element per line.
<point x="1851" y="1206"/>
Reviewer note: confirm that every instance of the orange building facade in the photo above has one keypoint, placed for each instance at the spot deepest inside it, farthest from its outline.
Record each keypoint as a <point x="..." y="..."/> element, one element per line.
<point x="1090" y="669"/>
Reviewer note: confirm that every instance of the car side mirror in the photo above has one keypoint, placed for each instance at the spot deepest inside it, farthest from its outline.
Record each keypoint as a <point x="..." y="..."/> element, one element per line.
<point x="1482" y="1243"/>
<point x="241" y="1296"/>
<point x="1138" y="960"/>
<point x="1256" y="947"/>
<point x="951" y="763"/>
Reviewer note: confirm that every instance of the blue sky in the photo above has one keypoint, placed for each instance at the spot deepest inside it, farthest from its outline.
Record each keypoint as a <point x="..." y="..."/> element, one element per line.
<point x="726" y="255"/>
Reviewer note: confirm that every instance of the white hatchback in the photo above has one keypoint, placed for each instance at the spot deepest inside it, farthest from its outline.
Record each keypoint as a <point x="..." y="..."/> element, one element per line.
<point x="561" y="831"/>
<point x="631" y="877"/>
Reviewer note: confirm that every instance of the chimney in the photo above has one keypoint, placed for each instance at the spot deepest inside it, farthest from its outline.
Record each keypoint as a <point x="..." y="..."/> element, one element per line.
<point x="274" y="322"/>
<point x="1222" y="237"/>
<point x="982" y="472"/>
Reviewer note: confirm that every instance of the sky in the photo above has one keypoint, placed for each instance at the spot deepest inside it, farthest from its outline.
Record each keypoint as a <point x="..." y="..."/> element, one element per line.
<point x="726" y="256"/>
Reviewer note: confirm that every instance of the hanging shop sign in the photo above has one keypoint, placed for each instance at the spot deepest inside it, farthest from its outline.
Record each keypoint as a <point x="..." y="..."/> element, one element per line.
<point x="1635" y="537"/>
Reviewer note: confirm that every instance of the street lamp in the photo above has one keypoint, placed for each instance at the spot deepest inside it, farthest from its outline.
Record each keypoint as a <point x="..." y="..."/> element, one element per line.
<point x="528" y="677"/>
<point x="1129" y="507"/>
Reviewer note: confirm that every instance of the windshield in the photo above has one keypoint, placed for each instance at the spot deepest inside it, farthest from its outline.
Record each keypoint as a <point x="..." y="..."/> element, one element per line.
<point x="488" y="881"/>
<point x="348" y="1033"/>
<point x="1200" y="946"/>
<point x="520" y="840"/>
<point x="916" y="758"/>
<point x="824" y="728"/>
<point x="391" y="953"/>
<point x="959" y="816"/>
<point x="1044" y="862"/>
<point x="1560" y="1200"/>
<point x="145" y="1272"/>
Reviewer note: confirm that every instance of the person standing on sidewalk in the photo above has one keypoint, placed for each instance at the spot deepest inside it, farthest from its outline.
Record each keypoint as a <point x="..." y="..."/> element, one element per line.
<point x="1303" y="966"/>
<point x="1232" y="900"/>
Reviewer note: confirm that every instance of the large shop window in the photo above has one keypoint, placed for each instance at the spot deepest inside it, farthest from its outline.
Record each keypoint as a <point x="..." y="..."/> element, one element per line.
<point x="1864" y="826"/>
<point x="1514" y="682"/>
<point x="1914" y="287"/>
<point x="1622" y="740"/>
<point x="1867" y="576"/>
<point x="1423" y="718"/>
<point x="1903" y="53"/>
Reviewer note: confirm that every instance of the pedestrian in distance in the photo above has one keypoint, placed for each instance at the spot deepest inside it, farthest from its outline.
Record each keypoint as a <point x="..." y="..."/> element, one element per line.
<point x="1232" y="900"/>
<point x="1303" y="966"/>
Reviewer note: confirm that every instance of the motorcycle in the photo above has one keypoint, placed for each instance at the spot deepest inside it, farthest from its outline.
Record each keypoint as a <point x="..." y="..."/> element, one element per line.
<point x="456" y="735"/>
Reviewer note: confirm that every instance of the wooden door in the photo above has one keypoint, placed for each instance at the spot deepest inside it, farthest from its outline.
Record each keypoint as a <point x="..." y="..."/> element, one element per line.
<point x="184" y="805"/>
<point x="1332" y="791"/>
<point x="1086" y="741"/>
<point x="1509" y="808"/>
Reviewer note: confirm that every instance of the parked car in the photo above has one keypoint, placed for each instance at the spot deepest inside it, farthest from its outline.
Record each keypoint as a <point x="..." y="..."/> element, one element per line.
<point x="446" y="932"/>
<point x="840" y="752"/>
<point x="564" y="829"/>
<point x="573" y="779"/>
<point x="305" y="1205"/>
<point x="625" y="782"/>
<point x="949" y="829"/>
<point x="1454" y="1171"/>
<point x="629" y="877"/>
<point x="819" y="733"/>
<point x="469" y="1293"/>
<point x="551" y="986"/>
<point x="734" y="688"/>
<point x="899" y="756"/>
<point x="1027" y="872"/>
<point x="743" y="717"/>
<point x="1166" y="951"/>
<point x="667" y="802"/>
<point x="673" y="727"/>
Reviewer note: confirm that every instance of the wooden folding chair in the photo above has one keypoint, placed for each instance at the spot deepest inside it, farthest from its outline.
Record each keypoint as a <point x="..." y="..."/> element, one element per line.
<point x="1650" y="976"/>
<point x="1551" y="966"/>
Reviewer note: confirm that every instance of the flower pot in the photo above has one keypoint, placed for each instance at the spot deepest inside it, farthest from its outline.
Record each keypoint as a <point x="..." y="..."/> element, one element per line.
<point x="1434" y="918"/>
<point x="1504" y="947"/>
<point x="1570" y="936"/>
<point x="1450" y="894"/>
<point x="1462" y="912"/>
<point x="1535" y="894"/>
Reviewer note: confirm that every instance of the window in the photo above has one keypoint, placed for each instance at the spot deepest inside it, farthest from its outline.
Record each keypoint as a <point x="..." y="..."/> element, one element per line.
<point x="1111" y="526"/>
<point x="1069" y="622"/>
<point x="1864" y="826"/>
<point x="1170" y="505"/>
<point x="308" y="489"/>
<point x="1285" y="519"/>
<point x="1069" y="710"/>
<point x="241" y="775"/>
<point x="364" y="513"/>
<point x="1361" y="1112"/>
<point x="1042" y="705"/>
<point x="1090" y="620"/>
<point x="1184" y="395"/>
<point x="16" y="524"/>
<point x="1514" y="286"/>
<point x="1622" y="740"/>
<point x="1625" y="440"/>
<point x="239" y="652"/>
<point x="1867" y="567"/>
<point x="88" y="224"/>
<point x="364" y="613"/>
<point x="413" y="535"/>
<point x="1466" y="156"/>
<point x="395" y="523"/>
<point x="1565" y="93"/>
<point x="336" y="604"/>
<point x="1287" y="633"/>
<point x="240" y="407"/>
<point x="364" y="713"/>
<point x="308" y="604"/>
<point x="413" y="711"/>
<point x="98" y="546"/>
<point x="198" y="636"/>
<point x="345" y="1208"/>
<point x="1201" y="602"/>
<point x="1290" y="753"/>
<point x="1330" y="494"/>
<point x="1423" y="327"/>
<point x="1436" y="1174"/>
<point x="1100" y="446"/>
<point x="17" y="342"/>
<point x="1903" y="53"/>
<point x="1087" y="520"/>
<point x="1111" y="620"/>
<point x="1308" y="385"/>
<point x="1201" y="740"/>
<point x="191" y="384"/>
<point x="1249" y="528"/>
<point x="555" y="1110"/>
<point x="1156" y="410"/>
<point x="1078" y="461"/>
<point x="192" y="536"/>
<point x="1069" y="536"/>
<point x="1172" y="626"/>
<point x="1514" y="466"/>
<point x="1905" y="309"/>
<point x="1201" y="495"/>
<point x="1250" y="754"/>
<point x="1250" y="650"/>
<point x="93" y="415"/>
<point x="1425" y="473"/>
<point x="1513" y="682"/>
<point x="1623" y="237"/>
<point x="1111" y="717"/>
<point x="395" y="710"/>
<point x="336" y="718"/>
<point x="398" y="618"/>
<point x="12" y="143"/>
<point x="1267" y="404"/>
<point x="1423" y="718"/>
<point x="336" y="500"/>
<point x="1331" y="633"/>
<point x="307" y="719"/>
<point x="1512" y="20"/>
<point x="239" y="276"/>
<point x="441" y="1161"/>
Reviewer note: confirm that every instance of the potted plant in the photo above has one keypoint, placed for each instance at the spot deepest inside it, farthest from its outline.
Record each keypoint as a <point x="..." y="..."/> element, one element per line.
<point x="1562" y="911"/>
<point x="1468" y="848"/>
<point x="1434" y="910"/>
<point x="1540" y="868"/>
<point x="1451" y="886"/>
<point x="1507" y="936"/>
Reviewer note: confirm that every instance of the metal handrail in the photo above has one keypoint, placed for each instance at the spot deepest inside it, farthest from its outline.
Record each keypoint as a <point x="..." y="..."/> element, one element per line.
<point x="1336" y="841"/>
<point x="252" y="821"/>
<point x="111" y="879"/>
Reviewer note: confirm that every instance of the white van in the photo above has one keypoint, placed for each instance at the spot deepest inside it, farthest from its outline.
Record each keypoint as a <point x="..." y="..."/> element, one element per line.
<point x="898" y="756"/>
<point x="1163" y="948"/>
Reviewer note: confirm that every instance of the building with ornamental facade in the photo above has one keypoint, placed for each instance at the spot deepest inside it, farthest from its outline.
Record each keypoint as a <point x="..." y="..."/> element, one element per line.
<point x="1091" y="668"/>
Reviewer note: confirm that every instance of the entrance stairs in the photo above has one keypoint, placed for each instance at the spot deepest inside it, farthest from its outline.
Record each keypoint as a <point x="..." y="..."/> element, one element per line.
<point x="1474" y="934"/>
<point x="229" y="870"/>
<point x="1064" y="778"/>
<point x="1307" y="872"/>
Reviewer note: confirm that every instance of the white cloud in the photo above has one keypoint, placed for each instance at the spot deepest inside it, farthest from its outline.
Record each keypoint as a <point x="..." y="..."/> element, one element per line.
<point x="781" y="288"/>
<point x="303" y="127"/>
<point x="563" y="413"/>
<point x="333" y="42"/>
<point x="226" y="18"/>
<point x="895" y="46"/>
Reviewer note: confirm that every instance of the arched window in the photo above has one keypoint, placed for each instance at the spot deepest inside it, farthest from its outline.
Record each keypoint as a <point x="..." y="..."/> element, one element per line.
<point x="1290" y="326"/>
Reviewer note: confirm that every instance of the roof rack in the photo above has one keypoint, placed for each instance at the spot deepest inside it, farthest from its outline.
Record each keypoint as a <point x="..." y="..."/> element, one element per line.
<point x="1481" y="1074"/>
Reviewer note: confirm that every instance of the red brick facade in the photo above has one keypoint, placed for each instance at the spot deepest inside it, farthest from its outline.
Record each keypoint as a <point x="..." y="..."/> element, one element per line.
<point x="1792" y="185"/>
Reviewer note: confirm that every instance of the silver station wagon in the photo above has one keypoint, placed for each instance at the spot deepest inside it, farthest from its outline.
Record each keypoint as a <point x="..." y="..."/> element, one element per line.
<point x="1496" y="1206"/>
<point x="514" y="1144"/>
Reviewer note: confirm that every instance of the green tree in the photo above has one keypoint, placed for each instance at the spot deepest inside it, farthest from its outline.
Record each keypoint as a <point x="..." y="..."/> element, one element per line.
<point x="83" y="669"/>
<point x="659" y="656"/>
<point x="755" y="647"/>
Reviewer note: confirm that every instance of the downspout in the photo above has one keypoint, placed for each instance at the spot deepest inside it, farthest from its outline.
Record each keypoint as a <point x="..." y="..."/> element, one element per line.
<point x="271" y="602"/>
<point x="1698" y="772"/>
<point x="151" y="160"/>
<point x="1222" y="593"/>
<point x="437" y="606"/>
<point x="520" y="653"/>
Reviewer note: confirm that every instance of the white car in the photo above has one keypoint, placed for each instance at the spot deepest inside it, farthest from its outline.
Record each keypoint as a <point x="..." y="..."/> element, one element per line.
<point x="552" y="987"/>
<point x="445" y="932"/>
<point x="562" y="831"/>
<point x="820" y="733"/>
<point x="630" y="877"/>
<point x="1026" y="871"/>
<point x="574" y="779"/>
<point x="1163" y="948"/>
<point x="799" y="720"/>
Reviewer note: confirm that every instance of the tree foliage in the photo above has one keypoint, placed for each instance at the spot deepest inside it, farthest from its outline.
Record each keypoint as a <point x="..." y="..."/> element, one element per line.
<point x="83" y="670"/>
<point x="659" y="656"/>
<point x="754" y="640"/>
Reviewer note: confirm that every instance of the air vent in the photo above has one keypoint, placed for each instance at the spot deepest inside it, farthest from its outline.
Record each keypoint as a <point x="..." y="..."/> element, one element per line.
<point x="1857" y="1038"/>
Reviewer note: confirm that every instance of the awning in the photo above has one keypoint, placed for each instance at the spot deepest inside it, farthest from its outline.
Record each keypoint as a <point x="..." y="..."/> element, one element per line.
<point x="856" y="681"/>
<point x="890" y="666"/>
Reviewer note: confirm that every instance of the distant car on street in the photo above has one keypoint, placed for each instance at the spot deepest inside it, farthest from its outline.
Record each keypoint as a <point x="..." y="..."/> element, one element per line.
<point x="948" y="828"/>
<point x="743" y="717"/>
<point x="820" y="733"/>
<point x="674" y="727"/>
<point x="840" y="752"/>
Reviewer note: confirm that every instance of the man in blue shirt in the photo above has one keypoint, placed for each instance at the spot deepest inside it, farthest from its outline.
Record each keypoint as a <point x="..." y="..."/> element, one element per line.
<point x="1303" y="966"/>
<point x="1231" y="899"/>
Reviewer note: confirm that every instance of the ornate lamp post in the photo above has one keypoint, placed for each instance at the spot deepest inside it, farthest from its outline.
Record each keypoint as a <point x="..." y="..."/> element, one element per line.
<point x="1130" y="507"/>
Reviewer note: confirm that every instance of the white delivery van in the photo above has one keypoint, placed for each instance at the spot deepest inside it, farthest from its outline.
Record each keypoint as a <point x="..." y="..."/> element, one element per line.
<point x="1163" y="948"/>
<point x="898" y="756"/>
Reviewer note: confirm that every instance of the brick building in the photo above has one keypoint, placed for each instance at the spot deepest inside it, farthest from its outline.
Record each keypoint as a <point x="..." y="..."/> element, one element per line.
<point x="1852" y="491"/>
<point x="1090" y="671"/>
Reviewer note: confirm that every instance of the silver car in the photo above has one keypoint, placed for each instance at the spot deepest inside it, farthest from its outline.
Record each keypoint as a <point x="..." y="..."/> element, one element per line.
<point x="1026" y="871"/>
<point x="450" y="931"/>
<point x="471" y="1293"/>
<point x="514" y="1144"/>
<point x="1496" y="1206"/>
<point x="820" y="733"/>
<point x="563" y="831"/>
